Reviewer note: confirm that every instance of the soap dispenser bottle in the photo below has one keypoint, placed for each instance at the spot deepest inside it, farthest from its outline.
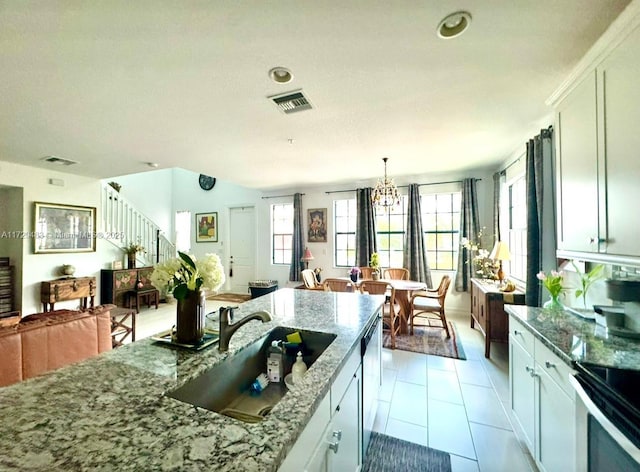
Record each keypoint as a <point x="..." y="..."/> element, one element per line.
<point x="275" y="363"/>
<point x="299" y="369"/>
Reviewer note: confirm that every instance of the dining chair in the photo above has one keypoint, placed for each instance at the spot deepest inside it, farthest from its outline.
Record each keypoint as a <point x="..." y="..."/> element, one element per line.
<point x="310" y="281"/>
<point x="390" y="309"/>
<point x="396" y="274"/>
<point x="429" y="305"/>
<point x="365" y="273"/>
<point x="337" y="285"/>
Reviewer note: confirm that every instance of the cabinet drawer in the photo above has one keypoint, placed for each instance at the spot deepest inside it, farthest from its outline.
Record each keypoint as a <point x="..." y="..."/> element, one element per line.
<point x="557" y="369"/>
<point x="521" y="335"/>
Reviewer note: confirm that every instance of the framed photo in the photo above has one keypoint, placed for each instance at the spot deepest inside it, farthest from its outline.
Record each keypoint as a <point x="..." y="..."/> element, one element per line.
<point x="64" y="228"/>
<point x="317" y="229"/>
<point x="207" y="227"/>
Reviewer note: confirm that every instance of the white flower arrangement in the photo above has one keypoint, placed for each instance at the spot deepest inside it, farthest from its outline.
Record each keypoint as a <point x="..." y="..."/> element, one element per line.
<point x="183" y="274"/>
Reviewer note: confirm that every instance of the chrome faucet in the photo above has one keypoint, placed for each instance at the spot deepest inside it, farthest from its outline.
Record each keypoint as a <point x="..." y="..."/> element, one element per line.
<point x="227" y="329"/>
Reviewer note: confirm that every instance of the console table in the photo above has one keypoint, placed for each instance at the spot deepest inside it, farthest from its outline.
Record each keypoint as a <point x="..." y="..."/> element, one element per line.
<point x="67" y="288"/>
<point x="487" y="311"/>
<point x="115" y="285"/>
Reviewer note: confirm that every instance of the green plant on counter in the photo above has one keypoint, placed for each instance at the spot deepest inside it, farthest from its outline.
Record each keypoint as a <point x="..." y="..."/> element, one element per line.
<point x="587" y="280"/>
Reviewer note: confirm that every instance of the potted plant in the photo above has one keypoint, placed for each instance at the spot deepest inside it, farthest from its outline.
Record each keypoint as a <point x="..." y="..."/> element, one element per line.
<point x="132" y="249"/>
<point x="554" y="283"/>
<point x="186" y="278"/>
<point x="374" y="263"/>
<point x="587" y="280"/>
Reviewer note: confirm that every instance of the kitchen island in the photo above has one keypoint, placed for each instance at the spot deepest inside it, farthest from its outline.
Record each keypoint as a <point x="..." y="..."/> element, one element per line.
<point x="111" y="413"/>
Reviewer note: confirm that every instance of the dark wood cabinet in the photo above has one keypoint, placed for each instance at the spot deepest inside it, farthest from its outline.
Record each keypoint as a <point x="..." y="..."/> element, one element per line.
<point x="114" y="284"/>
<point x="487" y="311"/>
<point x="67" y="288"/>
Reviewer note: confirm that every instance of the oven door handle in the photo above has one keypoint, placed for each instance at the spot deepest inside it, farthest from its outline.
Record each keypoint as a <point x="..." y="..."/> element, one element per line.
<point x="606" y="424"/>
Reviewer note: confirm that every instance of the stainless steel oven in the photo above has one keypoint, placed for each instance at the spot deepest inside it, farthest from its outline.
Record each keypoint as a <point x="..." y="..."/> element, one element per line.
<point x="607" y="418"/>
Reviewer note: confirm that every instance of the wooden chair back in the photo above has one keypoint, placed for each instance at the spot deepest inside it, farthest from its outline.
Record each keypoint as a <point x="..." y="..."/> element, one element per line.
<point x="338" y="285"/>
<point x="365" y="273"/>
<point x="396" y="274"/>
<point x="309" y="279"/>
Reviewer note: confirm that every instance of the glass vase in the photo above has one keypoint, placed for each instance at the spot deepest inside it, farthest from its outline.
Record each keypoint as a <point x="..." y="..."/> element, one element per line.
<point x="553" y="303"/>
<point x="190" y="319"/>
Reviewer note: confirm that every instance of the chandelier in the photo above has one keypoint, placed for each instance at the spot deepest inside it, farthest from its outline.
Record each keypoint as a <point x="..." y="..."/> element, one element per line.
<point x="385" y="195"/>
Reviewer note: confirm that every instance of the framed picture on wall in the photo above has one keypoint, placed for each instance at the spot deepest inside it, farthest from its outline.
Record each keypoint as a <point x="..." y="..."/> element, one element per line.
<point x="317" y="229"/>
<point x="63" y="228"/>
<point x="207" y="227"/>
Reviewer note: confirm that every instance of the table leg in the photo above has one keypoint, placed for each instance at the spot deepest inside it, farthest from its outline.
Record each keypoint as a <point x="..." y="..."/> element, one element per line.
<point x="402" y="298"/>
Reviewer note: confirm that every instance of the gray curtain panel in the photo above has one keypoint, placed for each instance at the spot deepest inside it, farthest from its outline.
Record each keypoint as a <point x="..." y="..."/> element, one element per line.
<point x="297" y="245"/>
<point x="469" y="228"/>
<point x="541" y="228"/>
<point x="365" y="227"/>
<point x="415" y="255"/>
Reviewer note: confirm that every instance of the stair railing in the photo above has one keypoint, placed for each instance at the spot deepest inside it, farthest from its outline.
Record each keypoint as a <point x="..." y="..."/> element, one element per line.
<point x="120" y="217"/>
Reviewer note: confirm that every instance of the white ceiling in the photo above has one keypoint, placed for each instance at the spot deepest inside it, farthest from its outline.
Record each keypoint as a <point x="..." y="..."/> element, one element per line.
<point x="116" y="84"/>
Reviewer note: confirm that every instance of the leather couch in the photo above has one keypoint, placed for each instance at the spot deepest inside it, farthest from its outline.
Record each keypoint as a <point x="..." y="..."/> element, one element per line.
<point x="46" y="341"/>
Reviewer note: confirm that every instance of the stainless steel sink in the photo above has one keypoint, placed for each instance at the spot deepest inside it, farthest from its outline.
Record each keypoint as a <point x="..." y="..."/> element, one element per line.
<point x="225" y="387"/>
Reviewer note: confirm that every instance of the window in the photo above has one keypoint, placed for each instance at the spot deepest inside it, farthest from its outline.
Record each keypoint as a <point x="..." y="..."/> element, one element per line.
<point x="183" y="231"/>
<point x="517" y="228"/>
<point x="344" y="212"/>
<point x="441" y="226"/>
<point x="390" y="229"/>
<point x="281" y="233"/>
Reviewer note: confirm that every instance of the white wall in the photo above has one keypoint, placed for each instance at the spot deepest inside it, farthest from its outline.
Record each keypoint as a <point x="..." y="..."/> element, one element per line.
<point x="35" y="186"/>
<point x="152" y="194"/>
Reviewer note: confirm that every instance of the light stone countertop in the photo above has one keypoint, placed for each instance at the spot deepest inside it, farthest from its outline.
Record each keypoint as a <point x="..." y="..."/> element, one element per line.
<point x="109" y="413"/>
<point x="574" y="338"/>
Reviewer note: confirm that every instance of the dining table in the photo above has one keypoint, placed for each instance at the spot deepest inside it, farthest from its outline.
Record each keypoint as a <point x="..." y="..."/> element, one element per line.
<point x="404" y="289"/>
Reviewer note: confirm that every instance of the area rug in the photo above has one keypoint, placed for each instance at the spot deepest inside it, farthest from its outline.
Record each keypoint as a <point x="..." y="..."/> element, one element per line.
<point x="387" y="454"/>
<point x="429" y="340"/>
<point x="230" y="297"/>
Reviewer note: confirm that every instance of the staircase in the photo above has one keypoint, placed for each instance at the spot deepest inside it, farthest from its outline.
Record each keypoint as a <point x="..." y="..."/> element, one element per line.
<point x="120" y="217"/>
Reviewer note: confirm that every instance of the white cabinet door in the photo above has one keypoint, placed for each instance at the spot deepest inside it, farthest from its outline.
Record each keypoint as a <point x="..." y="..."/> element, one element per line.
<point x="346" y="425"/>
<point x="577" y="169"/>
<point x="556" y="417"/>
<point x="620" y="76"/>
<point x="311" y="439"/>
<point x="521" y="386"/>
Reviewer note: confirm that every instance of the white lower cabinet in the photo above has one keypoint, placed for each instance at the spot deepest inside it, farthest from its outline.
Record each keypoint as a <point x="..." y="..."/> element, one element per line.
<point x="542" y="406"/>
<point x="332" y="440"/>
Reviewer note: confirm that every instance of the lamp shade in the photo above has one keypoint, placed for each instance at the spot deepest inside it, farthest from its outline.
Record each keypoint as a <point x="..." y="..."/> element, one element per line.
<point x="500" y="252"/>
<point x="307" y="256"/>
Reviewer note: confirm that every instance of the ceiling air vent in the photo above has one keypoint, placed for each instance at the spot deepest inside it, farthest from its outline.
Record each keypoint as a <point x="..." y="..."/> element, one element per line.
<point x="291" y="102"/>
<point x="59" y="160"/>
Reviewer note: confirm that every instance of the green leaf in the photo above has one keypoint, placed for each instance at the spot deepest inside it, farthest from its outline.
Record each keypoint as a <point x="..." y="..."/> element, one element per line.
<point x="180" y="292"/>
<point x="579" y="293"/>
<point x="187" y="260"/>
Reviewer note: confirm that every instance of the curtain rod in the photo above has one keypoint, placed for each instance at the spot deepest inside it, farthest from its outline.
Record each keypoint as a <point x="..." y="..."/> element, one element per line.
<point x="515" y="161"/>
<point x="280" y="196"/>
<point x="405" y="186"/>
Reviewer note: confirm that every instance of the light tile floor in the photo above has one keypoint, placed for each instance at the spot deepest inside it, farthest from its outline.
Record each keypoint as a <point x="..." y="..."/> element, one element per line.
<point x="461" y="407"/>
<point x="457" y="406"/>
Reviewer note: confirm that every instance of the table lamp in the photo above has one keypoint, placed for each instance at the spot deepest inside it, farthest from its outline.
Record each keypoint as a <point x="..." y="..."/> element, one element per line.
<point x="500" y="253"/>
<point x="306" y="257"/>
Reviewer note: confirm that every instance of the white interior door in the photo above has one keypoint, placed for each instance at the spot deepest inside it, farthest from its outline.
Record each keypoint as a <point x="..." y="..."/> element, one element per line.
<point x="241" y="266"/>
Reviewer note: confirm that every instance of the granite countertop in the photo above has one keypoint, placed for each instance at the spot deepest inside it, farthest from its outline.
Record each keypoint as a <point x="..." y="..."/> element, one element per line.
<point x="574" y="338"/>
<point x="110" y="413"/>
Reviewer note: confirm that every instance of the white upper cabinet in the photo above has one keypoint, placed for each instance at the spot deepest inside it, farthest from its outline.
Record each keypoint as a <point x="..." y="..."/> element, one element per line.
<point x="620" y="77"/>
<point x="577" y="169"/>
<point x="598" y="146"/>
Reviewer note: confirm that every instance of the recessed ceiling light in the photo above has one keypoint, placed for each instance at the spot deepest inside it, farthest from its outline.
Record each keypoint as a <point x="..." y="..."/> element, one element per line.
<point x="454" y="24"/>
<point x="281" y="75"/>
